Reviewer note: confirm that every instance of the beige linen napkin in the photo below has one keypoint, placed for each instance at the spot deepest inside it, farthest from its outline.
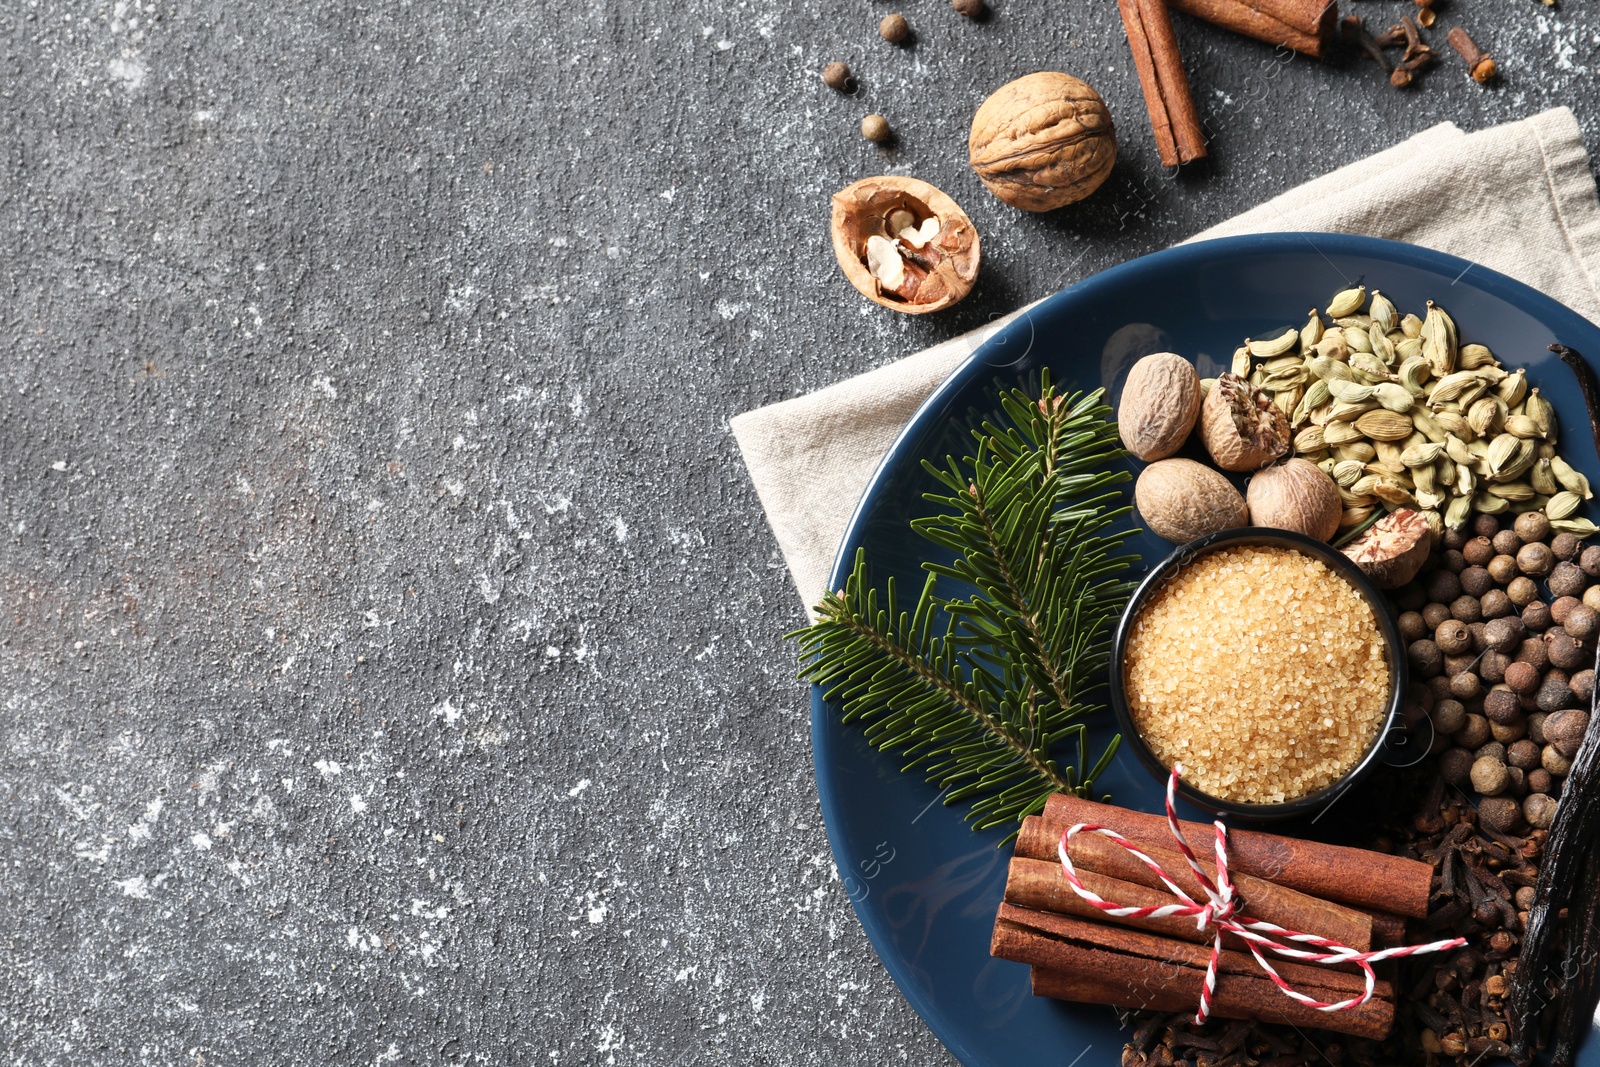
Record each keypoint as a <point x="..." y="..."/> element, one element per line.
<point x="1522" y="202"/>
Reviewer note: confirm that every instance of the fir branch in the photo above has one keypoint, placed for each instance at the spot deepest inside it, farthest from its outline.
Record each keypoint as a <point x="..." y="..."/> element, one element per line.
<point x="979" y="692"/>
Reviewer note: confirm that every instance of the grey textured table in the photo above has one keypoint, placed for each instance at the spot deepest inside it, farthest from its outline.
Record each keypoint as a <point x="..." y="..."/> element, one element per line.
<point x="391" y="656"/>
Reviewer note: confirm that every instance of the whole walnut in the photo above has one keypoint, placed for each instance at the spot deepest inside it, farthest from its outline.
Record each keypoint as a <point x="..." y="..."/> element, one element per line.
<point x="1042" y="141"/>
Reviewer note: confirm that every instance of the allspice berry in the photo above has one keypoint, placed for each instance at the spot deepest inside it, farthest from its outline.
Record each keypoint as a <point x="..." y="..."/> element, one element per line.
<point x="1522" y="677"/>
<point x="972" y="9"/>
<point x="875" y="128"/>
<point x="1434" y="613"/>
<point x="1506" y="542"/>
<point x="1582" y="622"/>
<point x="1465" y="685"/>
<point x="1500" y="814"/>
<point x="1474" y="733"/>
<point x="1495" y="604"/>
<point x="1475" y="580"/>
<point x="836" y="76"/>
<point x="1522" y="591"/>
<point x="1540" y="781"/>
<point x="1553" y="761"/>
<point x="1524" y="754"/>
<point x="894" y="28"/>
<point x="1582" y="686"/>
<point x="1449" y="716"/>
<point x="1453" y="561"/>
<point x="1565" y="730"/>
<point x="1503" y="634"/>
<point x="1566" y="579"/>
<point x="1425" y="658"/>
<point x="1478" y="551"/>
<point x="1500" y="705"/>
<point x="1455" y="765"/>
<point x="1502" y="569"/>
<point x="1532" y="526"/>
<point x="1561" y="607"/>
<point x="1553" y="694"/>
<point x="1589" y="561"/>
<point x="1536" y="616"/>
<point x="1489" y="776"/>
<point x="1412" y="628"/>
<point x="1443" y="587"/>
<point x="1540" y="811"/>
<point x="1485" y="525"/>
<point x="1563" y="651"/>
<point x="1535" y="560"/>
<point x="1565" y="546"/>
<point x="1452" y="637"/>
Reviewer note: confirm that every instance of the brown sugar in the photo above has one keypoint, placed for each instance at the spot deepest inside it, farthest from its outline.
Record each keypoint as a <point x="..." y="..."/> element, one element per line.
<point x="1262" y="670"/>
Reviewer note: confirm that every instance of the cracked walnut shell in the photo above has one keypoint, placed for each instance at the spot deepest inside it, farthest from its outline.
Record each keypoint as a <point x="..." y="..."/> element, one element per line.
<point x="904" y="244"/>
<point x="1042" y="141"/>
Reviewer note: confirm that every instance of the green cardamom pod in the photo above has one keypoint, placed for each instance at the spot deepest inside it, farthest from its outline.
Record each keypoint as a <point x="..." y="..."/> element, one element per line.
<point x="1311" y="332"/>
<point x="1543" y="478"/>
<point x="1422" y="455"/>
<point x="1515" y="492"/>
<point x="1355" y="322"/>
<point x="1570" y="479"/>
<point x="1413" y="374"/>
<point x="1358" y="340"/>
<point x="1513" y="388"/>
<point x="1353" y="499"/>
<point x="1427" y="425"/>
<point x="1323" y="367"/>
<point x="1333" y="346"/>
<point x="1383" y="311"/>
<point x="1347" y="472"/>
<point x="1350" y="392"/>
<point x="1410" y="325"/>
<point x="1241" y="362"/>
<point x="1575" y="527"/>
<point x="1489" y="504"/>
<point x="1482" y="416"/>
<point x="1453" y="423"/>
<point x="1446" y="471"/>
<point x="1521" y="426"/>
<point x="1541" y="411"/>
<point x="1275" y="345"/>
<point x="1456" y="449"/>
<point x="1383" y="425"/>
<point x="1288" y="401"/>
<point x="1359" y="450"/>
<point x="1426" y="479"/>
<point x="1392" y="396"/>
<point x="1394" y="495"/>
<point x="1521" y="460"/>
<point x="1337" y="433"/>
<point x="1347" y="302"/>
<point x="1309" y="440"/>
<point x="1382" y="347"/>
<point x="1451" y="387"/>
<point x="1458" y="512"/>
<point x="1563" y="505"/>
<point x="1439" y="340"/>
<point x="1471" y="357"/>
<point x="1466" y="479"/>
<point x="1410" y="348"/>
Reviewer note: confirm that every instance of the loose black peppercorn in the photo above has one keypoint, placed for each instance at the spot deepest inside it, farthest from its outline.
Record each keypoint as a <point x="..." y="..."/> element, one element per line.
<point x="1443" y="587"/>
<point x="1495" y="604"/>
<point x="1532" y="526"/>
<point x="1475" y="580"/>
<point x="1425" y="657"/>
<point x="1535" y="560"/>
<point x="1466" y="608"/>
<point x="1565" y="546"/>
<point x="1452" y="637"/>
<point x="1522" y="591"/>
<point x="1566" y="579"/>
<point x="1485" y="525"/>
<point x="1589" y="560"/>
<point x="1433" y="613"/>
<point x="836" y="76"/>
<point x="1582" y="622"/>
<point x="1412" y="628"/>
<point x="1536" y="616"/>
<point x="894" y="28"/>
<point x="1506" y="543"/>
<point x="1465" y="685"/>
<point x="1478" y="551"/>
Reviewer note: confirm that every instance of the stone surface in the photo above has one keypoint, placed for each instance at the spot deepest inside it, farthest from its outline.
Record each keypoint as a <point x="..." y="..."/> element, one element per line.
<point x="391" y="655"/>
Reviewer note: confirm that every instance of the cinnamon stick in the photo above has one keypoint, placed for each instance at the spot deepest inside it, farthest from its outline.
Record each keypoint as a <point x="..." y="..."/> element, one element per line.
<point x="1307" y="26"/>
<point x="1129" y="968"/>
<point x="1179" y="138"/>
<point x="1263" y="899"/>
<point x="1350" y="876"/>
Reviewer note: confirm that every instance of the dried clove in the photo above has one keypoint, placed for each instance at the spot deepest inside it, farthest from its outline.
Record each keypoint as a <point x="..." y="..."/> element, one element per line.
<point x="1354" y="32"/>
<point x="1480" y="65"/>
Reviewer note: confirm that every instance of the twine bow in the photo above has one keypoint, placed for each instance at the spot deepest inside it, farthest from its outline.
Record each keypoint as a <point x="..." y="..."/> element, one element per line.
<point x="1221" y="914"/>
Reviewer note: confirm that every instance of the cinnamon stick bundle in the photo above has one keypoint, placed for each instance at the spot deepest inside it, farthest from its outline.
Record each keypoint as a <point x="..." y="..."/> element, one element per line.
<point x="1100" y="964"/>
<point x="1179" y="138"/>
<point x="1350" y="876"/>
<point x="1307" y="26"/>
<point x="1288" y="908"/>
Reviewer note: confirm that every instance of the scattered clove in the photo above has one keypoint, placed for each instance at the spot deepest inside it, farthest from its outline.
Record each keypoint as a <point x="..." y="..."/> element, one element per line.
<point x="1480" y="65"/>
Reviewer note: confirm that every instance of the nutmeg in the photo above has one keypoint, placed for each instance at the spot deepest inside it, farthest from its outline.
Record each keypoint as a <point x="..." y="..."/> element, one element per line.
<point x="1181" y="500"/>
<point x="1042" y="141"/>
<point x="1392" y="550"/>
<point x="904" y="244"/>
<point x="1158" y="406"/>
<point x="1295" y="495"/>
<point x="1242" y="428"/>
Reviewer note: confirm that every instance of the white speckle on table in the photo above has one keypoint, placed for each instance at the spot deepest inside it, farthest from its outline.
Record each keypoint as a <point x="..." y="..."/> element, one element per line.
<point x="127" y="70"/>
<point x="95" y="853"/>
<point x="578" y="789"/>
<point x="447" y="711"/>
<point x="59" y="465"/>
<point x="324" y="386"/>
<point x="358" y="804"/>
<point x="201" y="841"/>
<point x="141" y="830"/>
<point x="727" y="309"/>
<point x="138" y="887"/>
<point x="327" y="768"/>
<point x="619" y="528"/>
<point x="575" y="405"/>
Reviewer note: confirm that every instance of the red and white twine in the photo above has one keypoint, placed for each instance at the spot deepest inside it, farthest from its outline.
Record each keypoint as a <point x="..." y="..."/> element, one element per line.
<point x="1220" y="914"/>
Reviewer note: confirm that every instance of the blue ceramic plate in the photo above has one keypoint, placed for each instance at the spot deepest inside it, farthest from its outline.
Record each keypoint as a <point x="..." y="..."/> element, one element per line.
<point x="924" y="885"/>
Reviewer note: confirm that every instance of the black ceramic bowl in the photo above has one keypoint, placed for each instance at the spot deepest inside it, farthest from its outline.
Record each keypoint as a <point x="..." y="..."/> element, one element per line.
<point x="1311" y="803"/>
